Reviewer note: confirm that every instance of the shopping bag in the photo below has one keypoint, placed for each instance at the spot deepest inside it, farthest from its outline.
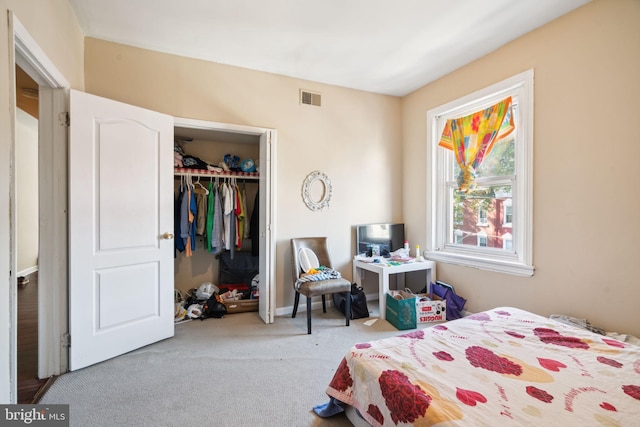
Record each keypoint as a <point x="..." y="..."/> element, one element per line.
<point x="455" y="303"/>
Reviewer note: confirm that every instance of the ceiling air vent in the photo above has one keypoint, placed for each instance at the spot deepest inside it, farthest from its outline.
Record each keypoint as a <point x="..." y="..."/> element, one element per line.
<point x="309" y="98"/>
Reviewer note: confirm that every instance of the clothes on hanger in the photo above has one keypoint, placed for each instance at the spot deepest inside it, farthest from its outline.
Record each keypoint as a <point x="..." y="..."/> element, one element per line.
<point x="185" y="240"/>
<point x="177" y="207"/>
<point x="215" y="238"/>
<point x="211" y="200"/>
<point x="217" y="212"/>
<point x="201" y="209"/>
<point x="247" y="224"/>
<point x="255" y="226"/>
<point x="240" y="217"/>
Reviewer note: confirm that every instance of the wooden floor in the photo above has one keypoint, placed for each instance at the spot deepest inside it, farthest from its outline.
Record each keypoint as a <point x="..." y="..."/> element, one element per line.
<point x="28" y="383"/>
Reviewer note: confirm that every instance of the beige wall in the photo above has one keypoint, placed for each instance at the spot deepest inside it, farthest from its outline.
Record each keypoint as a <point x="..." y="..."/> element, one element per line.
<point x="53" y="26"/>
<point x="27" y="192"/>
<point x="587" y="101"/>
<point x="354" y="138"/>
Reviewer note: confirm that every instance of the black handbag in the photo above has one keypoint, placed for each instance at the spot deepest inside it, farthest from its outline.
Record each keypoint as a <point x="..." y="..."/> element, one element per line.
<point x="359" y="307"/>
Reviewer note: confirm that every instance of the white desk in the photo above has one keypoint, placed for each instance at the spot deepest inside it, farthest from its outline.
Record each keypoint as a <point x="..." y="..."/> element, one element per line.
<point x="384" y="271"/>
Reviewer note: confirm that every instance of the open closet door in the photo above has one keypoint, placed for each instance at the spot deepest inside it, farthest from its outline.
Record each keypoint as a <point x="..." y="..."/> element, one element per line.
<point x="266" y="303"/>
<point x="120" y="228"/>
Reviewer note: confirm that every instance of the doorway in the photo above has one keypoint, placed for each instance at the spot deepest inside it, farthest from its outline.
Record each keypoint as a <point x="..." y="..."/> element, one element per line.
<point x="27" y="242"/>
<point x="208" y="132"/>
<point x="49" y="259"/>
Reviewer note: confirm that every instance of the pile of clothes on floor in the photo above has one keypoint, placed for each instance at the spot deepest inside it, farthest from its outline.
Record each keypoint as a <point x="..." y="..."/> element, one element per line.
<point x="206" y="301"/>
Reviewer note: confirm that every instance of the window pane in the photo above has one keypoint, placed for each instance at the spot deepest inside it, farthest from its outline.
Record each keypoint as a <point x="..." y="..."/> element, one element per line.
<point x="501" y="160"/>
<point x="470" y="229"/>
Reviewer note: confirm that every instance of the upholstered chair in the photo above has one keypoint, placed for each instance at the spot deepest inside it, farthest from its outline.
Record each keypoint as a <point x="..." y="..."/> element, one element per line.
<point x="300" y="256"/>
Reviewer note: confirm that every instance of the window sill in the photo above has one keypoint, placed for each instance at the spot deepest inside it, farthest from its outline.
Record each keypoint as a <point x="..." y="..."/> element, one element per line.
<point x="490" y="264"/>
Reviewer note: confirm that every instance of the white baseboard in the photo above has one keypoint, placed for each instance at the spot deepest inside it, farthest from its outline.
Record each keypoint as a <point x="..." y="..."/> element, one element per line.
<point x="27" y="271"/>
<point x="302" y="307"/>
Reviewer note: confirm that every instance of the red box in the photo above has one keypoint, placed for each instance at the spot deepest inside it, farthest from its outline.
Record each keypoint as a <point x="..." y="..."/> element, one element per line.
<point x="232" y="286"/>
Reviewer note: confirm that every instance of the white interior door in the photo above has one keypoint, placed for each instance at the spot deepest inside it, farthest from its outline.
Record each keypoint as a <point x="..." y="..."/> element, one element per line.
<point x="266" y="304"/>
<point x="120" y="225"/>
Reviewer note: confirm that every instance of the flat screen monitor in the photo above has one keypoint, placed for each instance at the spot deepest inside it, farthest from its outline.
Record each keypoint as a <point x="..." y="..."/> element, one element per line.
<point x="379" y="239"/>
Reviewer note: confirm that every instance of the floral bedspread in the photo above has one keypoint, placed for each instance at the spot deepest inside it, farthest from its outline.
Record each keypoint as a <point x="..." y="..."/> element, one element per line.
<point x="499" y="367"/>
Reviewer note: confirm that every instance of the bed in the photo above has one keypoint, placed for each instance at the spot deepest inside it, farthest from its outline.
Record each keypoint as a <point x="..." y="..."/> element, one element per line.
<point x="504" y="366"/>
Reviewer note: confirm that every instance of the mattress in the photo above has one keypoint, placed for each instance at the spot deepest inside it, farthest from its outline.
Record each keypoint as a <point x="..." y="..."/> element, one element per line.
<point x="504" y="366"/>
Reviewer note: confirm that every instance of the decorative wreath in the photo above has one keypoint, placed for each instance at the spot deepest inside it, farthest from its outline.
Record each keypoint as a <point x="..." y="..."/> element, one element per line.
<point x="308" y="185"/>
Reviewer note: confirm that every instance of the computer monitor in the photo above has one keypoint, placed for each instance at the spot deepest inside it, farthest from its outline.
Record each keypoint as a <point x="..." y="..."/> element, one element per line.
<point x="379" y="239"/>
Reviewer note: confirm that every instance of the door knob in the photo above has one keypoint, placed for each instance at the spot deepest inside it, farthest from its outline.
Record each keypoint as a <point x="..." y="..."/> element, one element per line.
<point x="167" y="236"/>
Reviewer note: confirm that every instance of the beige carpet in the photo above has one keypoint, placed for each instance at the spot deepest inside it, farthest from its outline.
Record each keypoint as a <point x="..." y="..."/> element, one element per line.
<point x="234" y="371"/>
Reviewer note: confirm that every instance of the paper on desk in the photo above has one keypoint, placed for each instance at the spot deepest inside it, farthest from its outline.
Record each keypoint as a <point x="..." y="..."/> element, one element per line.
<point x="369" y="259"/>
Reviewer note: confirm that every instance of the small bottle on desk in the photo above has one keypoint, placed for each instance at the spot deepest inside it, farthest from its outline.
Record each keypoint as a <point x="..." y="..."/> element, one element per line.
<point x="417" y="251"/>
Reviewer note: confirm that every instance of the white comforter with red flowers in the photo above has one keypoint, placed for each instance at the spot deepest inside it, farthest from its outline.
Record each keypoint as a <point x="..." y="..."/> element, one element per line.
<point x="499" y="367"/>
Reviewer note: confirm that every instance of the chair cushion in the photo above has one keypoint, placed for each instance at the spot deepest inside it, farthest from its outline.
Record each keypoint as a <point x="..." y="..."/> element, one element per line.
<point x="322" y="287"/>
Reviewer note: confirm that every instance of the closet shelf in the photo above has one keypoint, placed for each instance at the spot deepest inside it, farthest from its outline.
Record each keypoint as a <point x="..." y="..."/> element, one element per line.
<point x="202" y="172"/>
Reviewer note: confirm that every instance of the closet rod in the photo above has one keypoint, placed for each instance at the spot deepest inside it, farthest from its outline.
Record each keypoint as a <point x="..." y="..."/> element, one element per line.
<point x="211" y="174"/>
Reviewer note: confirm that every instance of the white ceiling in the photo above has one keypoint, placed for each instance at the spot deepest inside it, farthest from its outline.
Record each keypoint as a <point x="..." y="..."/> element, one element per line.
<point x="384" y="46"/>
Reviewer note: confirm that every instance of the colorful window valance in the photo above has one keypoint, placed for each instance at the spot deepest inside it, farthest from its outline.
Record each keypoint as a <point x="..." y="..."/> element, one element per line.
<point x="472" y="137"/>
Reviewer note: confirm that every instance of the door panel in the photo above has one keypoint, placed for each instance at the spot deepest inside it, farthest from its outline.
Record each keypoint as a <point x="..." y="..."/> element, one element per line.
<point x="120" y="205"/>
<point x="140" y="160"/>
<point x="112" y="283"/>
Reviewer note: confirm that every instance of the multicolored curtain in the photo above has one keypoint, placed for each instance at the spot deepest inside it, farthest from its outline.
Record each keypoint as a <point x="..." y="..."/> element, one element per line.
<point x="472" y="137"/>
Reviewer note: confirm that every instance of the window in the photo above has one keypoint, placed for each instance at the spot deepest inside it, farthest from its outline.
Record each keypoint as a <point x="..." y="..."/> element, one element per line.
<point x="507" y="206"/>
<point x="482" y="239"/>
<point x="497" y="210"/>
<point x="482" y="215"/>
<point x="507" y="241"/>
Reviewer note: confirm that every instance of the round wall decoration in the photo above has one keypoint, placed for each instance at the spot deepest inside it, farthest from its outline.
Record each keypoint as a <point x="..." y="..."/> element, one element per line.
<point x="316" y="191"/>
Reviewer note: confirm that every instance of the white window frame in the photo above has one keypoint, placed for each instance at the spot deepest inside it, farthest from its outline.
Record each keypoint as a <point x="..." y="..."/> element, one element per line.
<point x="518" y="261"/>
<point x="480" y="237"/>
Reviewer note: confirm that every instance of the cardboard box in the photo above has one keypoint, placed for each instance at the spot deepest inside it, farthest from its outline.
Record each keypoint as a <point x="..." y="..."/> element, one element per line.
<point x="401" y="313"/>
<point x="241" y="305"/>
<point x="430" y="309"/>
